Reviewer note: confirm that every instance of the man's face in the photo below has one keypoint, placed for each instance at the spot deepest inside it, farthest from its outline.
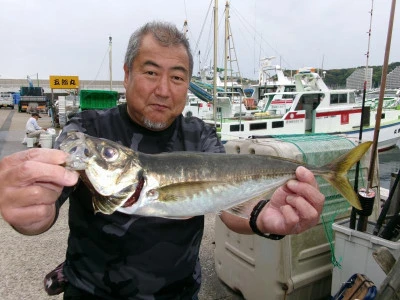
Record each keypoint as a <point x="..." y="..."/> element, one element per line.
<point x="157" y="85"/>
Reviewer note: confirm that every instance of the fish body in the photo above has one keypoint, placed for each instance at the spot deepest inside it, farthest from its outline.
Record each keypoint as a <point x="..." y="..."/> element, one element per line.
<point x="184" y="184"/>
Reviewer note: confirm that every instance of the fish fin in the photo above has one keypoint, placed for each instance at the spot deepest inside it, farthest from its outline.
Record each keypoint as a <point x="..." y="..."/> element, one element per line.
<point x="338" y="177"/>
<point x="109" y="204"/>
<point x="106" y="204"/>
<point x="244" y="209"/>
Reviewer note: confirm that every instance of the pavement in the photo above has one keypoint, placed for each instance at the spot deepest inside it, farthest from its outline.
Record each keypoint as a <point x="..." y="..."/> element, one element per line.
<point x="25" y="260"/>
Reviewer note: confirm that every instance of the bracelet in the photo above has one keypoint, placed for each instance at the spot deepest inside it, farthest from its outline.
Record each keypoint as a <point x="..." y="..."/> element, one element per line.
<point x="253" y="222"/>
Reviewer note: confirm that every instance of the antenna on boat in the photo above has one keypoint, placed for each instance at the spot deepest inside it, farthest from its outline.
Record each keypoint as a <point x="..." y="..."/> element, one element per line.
<point x="353" y="211"/>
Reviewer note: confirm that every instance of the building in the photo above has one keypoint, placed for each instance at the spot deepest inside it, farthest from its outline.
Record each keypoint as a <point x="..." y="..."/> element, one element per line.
<point x="393" y="79"/>
<point x="356" y="80"/>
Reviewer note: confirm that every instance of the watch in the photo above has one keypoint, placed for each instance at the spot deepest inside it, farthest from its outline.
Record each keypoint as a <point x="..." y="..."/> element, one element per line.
<point x="253" y="222"/>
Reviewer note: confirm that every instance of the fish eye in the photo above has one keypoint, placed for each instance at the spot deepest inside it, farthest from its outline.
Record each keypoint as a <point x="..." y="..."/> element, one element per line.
<point x="72" y="150"/>
<point x="86" y="152"/>
<point x="109" y="153"/>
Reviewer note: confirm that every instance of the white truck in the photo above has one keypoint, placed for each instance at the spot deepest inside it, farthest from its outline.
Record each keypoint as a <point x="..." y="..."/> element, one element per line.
<point x="6" y="100"/>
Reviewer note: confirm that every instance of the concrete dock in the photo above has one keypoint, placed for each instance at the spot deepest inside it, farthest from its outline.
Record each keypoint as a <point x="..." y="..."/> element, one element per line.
<point x="25" y="260"/>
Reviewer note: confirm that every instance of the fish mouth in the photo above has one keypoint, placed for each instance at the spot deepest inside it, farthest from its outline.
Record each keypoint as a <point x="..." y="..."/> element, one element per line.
<point x="75" y="162"/>
<point x="135" y="196"/>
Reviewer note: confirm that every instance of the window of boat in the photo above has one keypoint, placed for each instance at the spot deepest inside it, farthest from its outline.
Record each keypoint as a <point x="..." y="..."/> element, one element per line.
<point x="309" y="102"/>
<point x="338" y="98"/>
<point x="290" y="88"/>
<point x="277" y="124"/>
<point x="270" y="89"/>
<point x="352" y="98"/>
<point x="258" y="126"/>
<point x="236" y="127"/>
<point x="288" y="96"/>
<point x="238" y="90"/>
<point x="261" y="92"/>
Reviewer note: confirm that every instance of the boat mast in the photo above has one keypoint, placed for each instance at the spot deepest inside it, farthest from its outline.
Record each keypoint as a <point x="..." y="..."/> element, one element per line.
<point x="226" y="54"/>
<point x="215" y="60"/>
<point x="110" y="60"/>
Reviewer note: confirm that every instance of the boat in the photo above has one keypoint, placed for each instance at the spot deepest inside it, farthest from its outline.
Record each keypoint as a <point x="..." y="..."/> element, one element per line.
<point x="314" y="109"/>
<point x="273" y="85"/>
<point x="195" y="107"/>
<point x="391" y="98"/>
<point x="231" y="98"/>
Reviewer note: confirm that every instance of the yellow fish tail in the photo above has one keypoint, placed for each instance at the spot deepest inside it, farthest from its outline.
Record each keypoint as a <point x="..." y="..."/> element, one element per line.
<point x="337" y="176"/>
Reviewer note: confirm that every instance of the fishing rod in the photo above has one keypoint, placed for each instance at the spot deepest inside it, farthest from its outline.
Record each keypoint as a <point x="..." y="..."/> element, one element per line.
<point x="362" y="223"/>
<point x="353" y="216"/>
<point x="386" y="207"/>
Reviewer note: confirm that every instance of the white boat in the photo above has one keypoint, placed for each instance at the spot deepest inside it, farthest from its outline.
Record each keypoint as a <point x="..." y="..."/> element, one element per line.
<point x="315" y="109"/>
<point x="391" y="98"/>
<point x="273" y="85"/>
<point x="231" y="99"/>
<point x="195" y="107"/>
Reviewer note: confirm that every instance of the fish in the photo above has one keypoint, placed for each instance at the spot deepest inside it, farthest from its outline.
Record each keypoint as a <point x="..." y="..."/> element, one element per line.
<point x="180" y="185"/>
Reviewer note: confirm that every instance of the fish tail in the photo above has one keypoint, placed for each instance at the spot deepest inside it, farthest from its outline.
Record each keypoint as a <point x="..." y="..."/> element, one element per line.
<point x="337" y="174"/>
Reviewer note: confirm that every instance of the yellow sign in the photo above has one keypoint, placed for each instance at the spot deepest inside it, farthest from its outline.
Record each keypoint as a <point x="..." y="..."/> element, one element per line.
<point x="64" y="82"/>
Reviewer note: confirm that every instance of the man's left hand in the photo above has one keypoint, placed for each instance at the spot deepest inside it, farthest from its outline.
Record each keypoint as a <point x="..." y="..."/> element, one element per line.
<point x="294" y="207"/>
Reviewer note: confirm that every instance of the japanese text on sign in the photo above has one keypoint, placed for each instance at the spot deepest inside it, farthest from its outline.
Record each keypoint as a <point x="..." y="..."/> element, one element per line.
<point x="64" y="82"/>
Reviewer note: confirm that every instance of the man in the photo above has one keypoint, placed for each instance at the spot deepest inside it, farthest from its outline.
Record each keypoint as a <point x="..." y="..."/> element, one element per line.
<point x="32" y="128"/>
<point x="122" y="256"/>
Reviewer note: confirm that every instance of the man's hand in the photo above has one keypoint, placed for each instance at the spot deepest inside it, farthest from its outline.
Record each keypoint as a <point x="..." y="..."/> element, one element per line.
<point x="294" y="207"/>
<point x="30" y="183"/>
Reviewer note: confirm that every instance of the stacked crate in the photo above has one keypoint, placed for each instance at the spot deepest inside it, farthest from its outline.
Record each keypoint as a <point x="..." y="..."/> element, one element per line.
<point x="97" y="99"/>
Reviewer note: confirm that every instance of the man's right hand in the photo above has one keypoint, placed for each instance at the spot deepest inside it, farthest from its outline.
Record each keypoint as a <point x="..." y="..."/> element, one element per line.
<point x="30" y="183"/>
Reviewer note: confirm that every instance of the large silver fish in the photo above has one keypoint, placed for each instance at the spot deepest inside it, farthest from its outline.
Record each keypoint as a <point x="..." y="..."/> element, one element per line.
<point x="184" y="184"/>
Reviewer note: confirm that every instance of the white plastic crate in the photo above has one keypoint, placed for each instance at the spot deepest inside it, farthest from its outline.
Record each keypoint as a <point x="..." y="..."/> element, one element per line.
<point x="353" y="249"/>
<point x="298" y="266"/>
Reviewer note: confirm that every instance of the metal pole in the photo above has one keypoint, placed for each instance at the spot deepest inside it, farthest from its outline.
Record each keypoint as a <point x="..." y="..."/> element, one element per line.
<point x="215" y="61"/>
<point x="353" y="215"/>
<point x="226" y="45"/>
<point x="110" y="61"/>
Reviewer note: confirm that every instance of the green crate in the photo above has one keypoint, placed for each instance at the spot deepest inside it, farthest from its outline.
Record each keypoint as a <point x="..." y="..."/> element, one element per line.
<point x="97" y="99"/>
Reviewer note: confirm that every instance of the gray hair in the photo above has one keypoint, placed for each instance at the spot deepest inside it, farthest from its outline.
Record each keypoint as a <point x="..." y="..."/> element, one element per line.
<point x="165" y="33"/>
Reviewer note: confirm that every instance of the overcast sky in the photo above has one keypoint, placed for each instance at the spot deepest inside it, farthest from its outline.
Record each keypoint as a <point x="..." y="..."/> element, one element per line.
<point x="43" y="37"/>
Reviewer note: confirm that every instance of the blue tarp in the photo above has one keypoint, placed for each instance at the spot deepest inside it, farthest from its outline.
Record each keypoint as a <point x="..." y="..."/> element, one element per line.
<point x="199" y="92"/>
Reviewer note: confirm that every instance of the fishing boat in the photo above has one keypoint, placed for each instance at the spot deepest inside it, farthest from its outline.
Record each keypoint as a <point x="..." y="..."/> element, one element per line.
<point x="273" y="87"/>
<point x="391" y="98"/>
<point x="195" y="107"/>
<point x="315" y="109"/>
<point x="231" y="98"/>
